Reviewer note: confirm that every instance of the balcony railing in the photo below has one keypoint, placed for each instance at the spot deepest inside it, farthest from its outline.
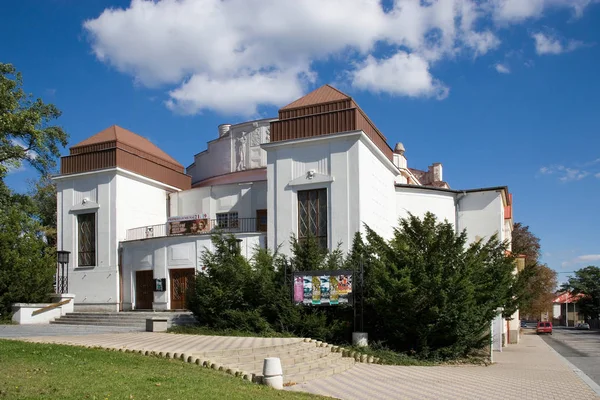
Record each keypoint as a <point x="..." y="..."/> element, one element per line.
<point x="238" y="225"/>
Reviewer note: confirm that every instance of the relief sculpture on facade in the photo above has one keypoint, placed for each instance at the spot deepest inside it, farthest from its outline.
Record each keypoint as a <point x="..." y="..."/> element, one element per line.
<point x="241" y="153"/>
<point x="248" y="153"/>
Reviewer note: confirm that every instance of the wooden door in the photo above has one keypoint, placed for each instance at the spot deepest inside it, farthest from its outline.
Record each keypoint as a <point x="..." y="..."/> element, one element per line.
<point x="261" y="220"/>
<point x="181" y="281"/>
<point x="144" y="290"/>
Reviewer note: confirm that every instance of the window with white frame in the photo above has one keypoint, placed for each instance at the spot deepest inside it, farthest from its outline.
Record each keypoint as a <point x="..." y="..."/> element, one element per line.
<point x="227" y="220"/>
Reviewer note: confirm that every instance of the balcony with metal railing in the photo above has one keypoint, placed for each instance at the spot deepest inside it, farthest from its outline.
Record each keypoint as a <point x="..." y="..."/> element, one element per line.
<point x="201" y="227"/>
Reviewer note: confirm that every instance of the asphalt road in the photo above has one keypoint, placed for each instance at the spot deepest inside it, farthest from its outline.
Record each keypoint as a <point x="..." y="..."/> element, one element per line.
<point x="581" y="348"/>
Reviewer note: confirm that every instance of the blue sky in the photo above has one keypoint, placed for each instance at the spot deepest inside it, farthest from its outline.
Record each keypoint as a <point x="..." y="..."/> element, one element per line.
<point x="502" y="92"/>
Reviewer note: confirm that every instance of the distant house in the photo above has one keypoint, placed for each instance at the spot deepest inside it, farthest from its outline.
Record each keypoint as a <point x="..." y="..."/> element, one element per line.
<point x="564" y="310"/>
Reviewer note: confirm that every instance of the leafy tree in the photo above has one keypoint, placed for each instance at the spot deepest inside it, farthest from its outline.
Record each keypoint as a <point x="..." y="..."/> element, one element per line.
<point x="525" y="243"/>
<point x="27" y="223"/>
<point x="43" y="196"/>
<point x="587" y="282"/>
<point x="538" y="289"/>
<point x="26" y="132"/>
<point x="27" y="263"/>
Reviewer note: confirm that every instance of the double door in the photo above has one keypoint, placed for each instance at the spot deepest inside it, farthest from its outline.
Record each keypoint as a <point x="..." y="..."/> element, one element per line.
<point x="182" y="281"/>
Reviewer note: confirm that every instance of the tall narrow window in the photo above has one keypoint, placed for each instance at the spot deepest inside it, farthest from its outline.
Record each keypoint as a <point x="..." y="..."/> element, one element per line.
<point x="312" y="215"/>
<point x="86" y="236"/>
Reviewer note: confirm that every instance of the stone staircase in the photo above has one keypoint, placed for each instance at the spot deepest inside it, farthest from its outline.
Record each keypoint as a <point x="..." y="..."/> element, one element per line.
<point x="301" y="361"/>
<point x="134" y="319"/>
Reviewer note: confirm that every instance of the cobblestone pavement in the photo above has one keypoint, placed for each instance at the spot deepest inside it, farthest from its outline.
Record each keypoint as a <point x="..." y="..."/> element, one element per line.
<point x="23" y="331"/>
<point x="529" y="370"/>
<point x="157" y="342"/>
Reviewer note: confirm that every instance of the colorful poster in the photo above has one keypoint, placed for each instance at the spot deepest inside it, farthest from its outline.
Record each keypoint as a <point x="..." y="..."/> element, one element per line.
<point x="321" y="289"/>
<point x="298" y="289"/>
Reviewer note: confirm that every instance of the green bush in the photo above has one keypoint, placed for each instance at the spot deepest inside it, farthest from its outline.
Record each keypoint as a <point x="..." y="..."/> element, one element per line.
<point x="426" y="293"/>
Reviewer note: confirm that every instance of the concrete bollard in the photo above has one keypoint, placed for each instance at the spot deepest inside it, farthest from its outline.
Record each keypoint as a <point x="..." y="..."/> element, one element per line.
<point x="272" y="373"/>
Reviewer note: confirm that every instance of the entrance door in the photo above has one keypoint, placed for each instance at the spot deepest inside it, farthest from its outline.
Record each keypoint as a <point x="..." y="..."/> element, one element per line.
<point x="181" y="281"/>
<point x="261" y="220"/>
<point x="144" y="293"/>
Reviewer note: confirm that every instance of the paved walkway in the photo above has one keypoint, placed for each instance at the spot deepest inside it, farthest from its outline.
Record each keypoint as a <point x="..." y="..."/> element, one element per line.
<point x="529" y="370"/>
<point x="22" y="331"/>
<point x="162" y="342"/>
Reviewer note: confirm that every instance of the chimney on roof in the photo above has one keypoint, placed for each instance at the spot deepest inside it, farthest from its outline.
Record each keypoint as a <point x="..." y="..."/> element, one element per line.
<point x="399" y="158"/>
<point x="437" y="172"/>
<point x="224" y="129"/>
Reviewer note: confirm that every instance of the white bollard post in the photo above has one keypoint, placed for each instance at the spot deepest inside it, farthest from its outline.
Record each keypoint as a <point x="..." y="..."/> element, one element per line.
<point x="272" y="373"/>
<point x="360" y="339"/>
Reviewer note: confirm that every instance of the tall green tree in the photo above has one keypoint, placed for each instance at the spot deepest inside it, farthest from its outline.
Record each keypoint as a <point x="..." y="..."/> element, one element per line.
<point x="524" y="242"/>
<point x="27" y="223"/>
<point x="536" y="282"/>
<point x="27" y="262"/>
<point x="539" y="283"/>
<point x="586" y="282"/>
<point x="27" y="134"/>
<point x="43" y="196"/>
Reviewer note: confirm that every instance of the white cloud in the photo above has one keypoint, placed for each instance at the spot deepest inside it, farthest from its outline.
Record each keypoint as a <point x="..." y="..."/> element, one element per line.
<point x="238" y="95"/>
<point x="401" y="74"/>
<point x="502" y="69"/>
<point x="586" y="258"/>
<point x="513" y="11"/>
<point x="569" y="174"/>
<point x="547" y="44"/>
<point x="216" y="54"/>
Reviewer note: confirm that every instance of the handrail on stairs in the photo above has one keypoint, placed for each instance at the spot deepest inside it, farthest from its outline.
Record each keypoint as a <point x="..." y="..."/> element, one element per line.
<point x="50" y="307"/>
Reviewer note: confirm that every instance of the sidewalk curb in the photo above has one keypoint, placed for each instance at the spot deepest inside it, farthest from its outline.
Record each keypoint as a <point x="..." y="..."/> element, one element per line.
<point x="593" y="385"/>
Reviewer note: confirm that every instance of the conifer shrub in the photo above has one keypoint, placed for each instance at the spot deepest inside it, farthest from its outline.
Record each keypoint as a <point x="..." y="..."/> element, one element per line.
<point x="427" y="293"/>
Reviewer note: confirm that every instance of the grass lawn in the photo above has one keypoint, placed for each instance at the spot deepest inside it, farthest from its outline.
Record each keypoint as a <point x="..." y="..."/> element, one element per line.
<point x="44" y="371"/>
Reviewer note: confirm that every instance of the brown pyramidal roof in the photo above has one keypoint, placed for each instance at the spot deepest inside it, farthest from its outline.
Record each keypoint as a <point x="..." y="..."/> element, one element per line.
<point x="121" y="135"/>
<point x="324" y="94"/>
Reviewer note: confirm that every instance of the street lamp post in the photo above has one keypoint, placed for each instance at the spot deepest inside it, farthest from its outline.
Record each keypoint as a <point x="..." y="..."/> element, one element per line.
<point x="63" y="280"/>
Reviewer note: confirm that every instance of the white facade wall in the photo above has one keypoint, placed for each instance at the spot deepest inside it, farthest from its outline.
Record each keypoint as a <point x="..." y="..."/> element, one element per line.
<point x="95" y="287"/>
<point x="358" y="178"/>
<point x="138" y="204"/>
<point x="120" y="200"/>
<point x="331" y="158"/>
<point x="377" y="203"/>
<point x="161" y="255"/>
<point x="420" y="201"/>
<point x="244" y="198"/>
<point x="481" y="214"/>
<point x="214" y="161"/>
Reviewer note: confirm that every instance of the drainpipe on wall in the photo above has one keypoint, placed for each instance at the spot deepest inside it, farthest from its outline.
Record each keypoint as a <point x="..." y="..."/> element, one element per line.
<point x="457" y="207"/>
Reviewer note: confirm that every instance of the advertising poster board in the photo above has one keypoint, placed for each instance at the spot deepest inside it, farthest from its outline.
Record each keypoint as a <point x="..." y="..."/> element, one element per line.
<point x="322" y="288"/>
<point x="188" y="225"/>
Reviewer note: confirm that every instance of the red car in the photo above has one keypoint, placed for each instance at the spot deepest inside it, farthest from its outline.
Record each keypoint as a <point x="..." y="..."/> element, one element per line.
<point x="544" y="327"/>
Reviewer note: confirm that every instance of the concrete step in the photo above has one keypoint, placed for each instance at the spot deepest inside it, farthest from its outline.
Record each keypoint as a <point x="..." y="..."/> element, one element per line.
<point x="283" y="348"/>
<point x="97" y="323"/>
<point x="135" y="319"/>
<point x="256" y="363"/>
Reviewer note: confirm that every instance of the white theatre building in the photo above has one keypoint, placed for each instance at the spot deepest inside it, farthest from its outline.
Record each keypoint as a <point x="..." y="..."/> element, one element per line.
<point x="136" y="222"/>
